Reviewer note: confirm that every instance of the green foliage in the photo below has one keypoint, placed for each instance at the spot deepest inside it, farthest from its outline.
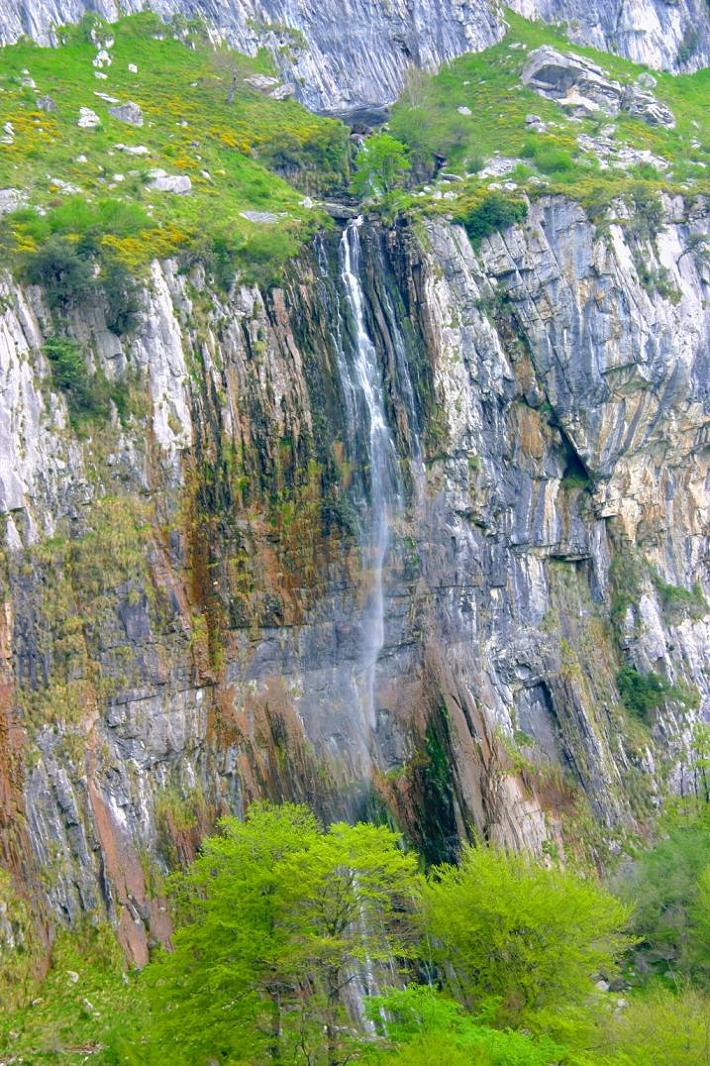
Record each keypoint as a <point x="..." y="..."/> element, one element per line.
<point x="643" y="693"/>
<point x="273" y="917"/>
<point x="228" y="143"/>
<point x="517" y="938"/>
<point x="428" y="119"/>
<point x="424" y="1027"/>
<point x="671" y="887"/>
<point x="381" y="166"/>
<point x="89" y="394"/>
<point x="64" y="274"/>
<point x="679" y="602"/>
<point x="548" y="157"/>
<point x="70" y="1016"/>
<point x="660" y="1027"/>
<point x="495" y="212"/>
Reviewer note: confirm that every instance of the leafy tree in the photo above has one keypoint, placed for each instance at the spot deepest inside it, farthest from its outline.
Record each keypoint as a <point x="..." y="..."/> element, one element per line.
<point x="273" y="920"/>
<point x="347" y="902"/>
<point x="63" y="273"/>
<point x="218" y="993"/>
<point x="671" y="887"/>
<point x="659" y="1027"/>
<point x="381" y="166"/>
<point x="519" y="938"/>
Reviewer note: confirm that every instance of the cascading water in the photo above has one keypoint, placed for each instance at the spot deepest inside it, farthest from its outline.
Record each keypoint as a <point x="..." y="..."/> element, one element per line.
<point x="363" y="382"/>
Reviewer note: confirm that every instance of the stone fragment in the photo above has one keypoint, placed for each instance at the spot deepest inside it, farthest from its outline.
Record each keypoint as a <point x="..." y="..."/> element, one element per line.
<point x="260" y="217"/>
<point x="88" y="119"/>
<point x="463" y="110"/>
<point x="106" y="97"/>
<point x="64" y="187"/>
<point x="133" y="149"/>
<point x="128" y="112"/>
<point x="132" y="68"/>
<point x="261" y="82"/>
<point x="12" y="200"/>
<point x="179" y="184"/>
<point x="102" y="59"/>
<point x="46" y="103"/>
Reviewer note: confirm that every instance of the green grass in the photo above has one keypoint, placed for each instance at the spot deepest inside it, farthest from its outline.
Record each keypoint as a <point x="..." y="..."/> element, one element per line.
<point x="427" y="120"/>
<point x="228" y="150"/>
<point x="69" y="1017"/>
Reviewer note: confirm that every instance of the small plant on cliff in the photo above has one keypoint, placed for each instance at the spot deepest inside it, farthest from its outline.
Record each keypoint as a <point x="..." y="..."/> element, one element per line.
<point x="644" y="693"/>
<point x="495" y="212"/>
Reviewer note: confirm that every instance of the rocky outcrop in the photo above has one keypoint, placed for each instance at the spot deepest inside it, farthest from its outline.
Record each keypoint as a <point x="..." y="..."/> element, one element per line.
<point x="583" y="89"/>
<point x="184" y="584"/>
<point x="341" y="55"/>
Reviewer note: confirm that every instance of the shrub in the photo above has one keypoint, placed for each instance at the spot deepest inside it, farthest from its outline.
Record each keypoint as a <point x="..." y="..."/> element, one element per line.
<point x="643" y="693"/>
<point x="494" y="213"/>
<point x="88" y="394"/>
<point x="381" y="166"/>
<point x="121" y="294"/>
<point x="66" y="277"/>
<point x="549" y="157"/>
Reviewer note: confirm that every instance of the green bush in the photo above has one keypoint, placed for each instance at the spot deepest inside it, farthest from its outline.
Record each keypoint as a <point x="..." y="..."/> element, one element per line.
<point x="121" y="295"/>
<point x="66" y="277"/>
<point x="517" y="939"/>
<point x="89" y="394"/>
<point x="495" y="213"/>
<point x="643" y="693"/>
<point x="548" y="156"/>
<point x="670" y="886"/>
<point x="678" y="602"/>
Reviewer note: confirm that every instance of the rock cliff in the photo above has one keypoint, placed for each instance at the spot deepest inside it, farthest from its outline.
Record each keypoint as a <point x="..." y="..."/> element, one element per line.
<point x="200" y="605"/>
<point x="341" y="55"/>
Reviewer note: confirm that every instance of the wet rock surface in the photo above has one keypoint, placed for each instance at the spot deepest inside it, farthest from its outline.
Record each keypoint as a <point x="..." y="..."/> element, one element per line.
<point x="183" y="625"/>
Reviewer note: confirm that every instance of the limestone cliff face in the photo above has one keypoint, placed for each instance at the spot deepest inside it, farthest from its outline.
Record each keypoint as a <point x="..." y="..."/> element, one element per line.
<point x="184" y="621"/>
<point x="340" y="54"/>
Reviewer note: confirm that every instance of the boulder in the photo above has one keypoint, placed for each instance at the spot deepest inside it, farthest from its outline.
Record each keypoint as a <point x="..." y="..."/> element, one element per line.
<point x="643" y="104"/>
<point x="583" y="88"/>
<point x="12" y="200"/>
<point x="46" y="103"/>
<point x="133" y="149"/>
<point x="263" y="218"/>
<point x="179" y="184"/>
<point x="129" y="113"/>
<point x="261" y="82"/>
<point x="88" y="119"/>
<point x="558" y="76"/>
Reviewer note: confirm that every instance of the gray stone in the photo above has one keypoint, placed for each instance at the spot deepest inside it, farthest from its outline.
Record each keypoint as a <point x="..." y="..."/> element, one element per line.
<point x="88" y="119"/>
<point x="12" y="200"/>
<point x="128" y="112"/>
<point x="161" y="181"/>
<point x="46" y="103"/>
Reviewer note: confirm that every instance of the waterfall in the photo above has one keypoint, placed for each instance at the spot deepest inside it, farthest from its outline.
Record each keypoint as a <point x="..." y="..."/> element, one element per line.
<point x="363" y="386"/>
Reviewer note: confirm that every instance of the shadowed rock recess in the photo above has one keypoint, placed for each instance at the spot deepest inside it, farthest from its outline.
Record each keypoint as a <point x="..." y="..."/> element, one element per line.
<point x="341" y="54"/>
<point x="201" y="607"/>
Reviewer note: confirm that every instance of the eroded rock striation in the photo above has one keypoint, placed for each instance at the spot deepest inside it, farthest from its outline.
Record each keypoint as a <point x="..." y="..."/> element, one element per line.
<point x="200" y="606"/>
<point x="343" y="54"/>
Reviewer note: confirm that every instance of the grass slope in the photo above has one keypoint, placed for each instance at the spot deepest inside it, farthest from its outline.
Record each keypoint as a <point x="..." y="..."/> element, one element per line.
<point x="228" y="150"/>
<point x="427" y="119"/>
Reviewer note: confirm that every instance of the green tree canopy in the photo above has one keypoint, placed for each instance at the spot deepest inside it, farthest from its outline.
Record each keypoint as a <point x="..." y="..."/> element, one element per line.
<point x="381" y="166"/>
<point x="275" y="918"/>
<point x="518" y="938"/>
